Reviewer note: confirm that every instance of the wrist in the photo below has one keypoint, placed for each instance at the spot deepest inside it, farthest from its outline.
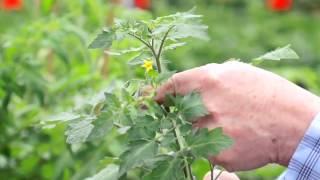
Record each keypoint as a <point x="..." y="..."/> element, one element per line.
<point x="294" y="125"/>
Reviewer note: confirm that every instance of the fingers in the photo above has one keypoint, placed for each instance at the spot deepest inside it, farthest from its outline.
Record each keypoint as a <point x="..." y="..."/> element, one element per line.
<point x="209" y="121"/>
<point x="224" y="175"/>
<point x="167" y="88"/>
<point x="182" y="83"/>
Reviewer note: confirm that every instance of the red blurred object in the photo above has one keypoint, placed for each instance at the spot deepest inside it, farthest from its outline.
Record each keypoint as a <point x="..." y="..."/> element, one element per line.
<point x="143" y="4"/>
<point x="11" y="4"/>
<point x="280" y="5"/>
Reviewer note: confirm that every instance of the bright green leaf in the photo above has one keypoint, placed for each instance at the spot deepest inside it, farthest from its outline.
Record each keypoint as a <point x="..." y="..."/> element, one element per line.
<point x="280" y="53"/>
<point x="108" y="173"/>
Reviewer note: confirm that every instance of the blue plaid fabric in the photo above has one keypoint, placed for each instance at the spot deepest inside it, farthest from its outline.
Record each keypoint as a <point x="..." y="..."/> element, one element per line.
<point x="305" y="163"/>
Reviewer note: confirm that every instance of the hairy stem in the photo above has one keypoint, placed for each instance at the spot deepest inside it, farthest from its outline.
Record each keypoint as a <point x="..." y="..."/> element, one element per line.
<point x="158" y="56"/>
<point x="181" y="144"/>
<point x="151" y="47"/>
<point x="140" y="39"/>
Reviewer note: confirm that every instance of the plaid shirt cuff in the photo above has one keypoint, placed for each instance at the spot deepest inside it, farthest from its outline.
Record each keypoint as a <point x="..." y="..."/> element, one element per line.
<point x="305" y="163"/>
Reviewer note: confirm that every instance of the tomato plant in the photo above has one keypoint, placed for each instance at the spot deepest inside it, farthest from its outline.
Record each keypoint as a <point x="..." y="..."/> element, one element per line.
<point x="161" y="142"/>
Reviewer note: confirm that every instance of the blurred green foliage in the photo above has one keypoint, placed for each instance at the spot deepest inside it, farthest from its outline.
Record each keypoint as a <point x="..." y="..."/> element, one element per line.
<point x="45" y="68"/>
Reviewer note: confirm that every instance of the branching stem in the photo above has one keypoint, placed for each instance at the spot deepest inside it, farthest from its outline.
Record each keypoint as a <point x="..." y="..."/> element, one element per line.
<point x="150" y="46"/>
<point x="181" y="144"/>
<point x="158" y="56"/>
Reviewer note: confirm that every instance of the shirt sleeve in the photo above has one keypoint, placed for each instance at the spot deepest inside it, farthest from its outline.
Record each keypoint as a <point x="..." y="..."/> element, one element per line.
<point x="305" y="163"/>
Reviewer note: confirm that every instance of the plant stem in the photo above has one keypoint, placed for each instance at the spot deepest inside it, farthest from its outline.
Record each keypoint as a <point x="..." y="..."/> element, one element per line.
<point x="140" y="39"/>
<point x="151" y="47"/>
<point x="216" y="178"/>
<point x="181" y="142"/>
<point x="211" y="170"/>
<point x="158" y="56"/>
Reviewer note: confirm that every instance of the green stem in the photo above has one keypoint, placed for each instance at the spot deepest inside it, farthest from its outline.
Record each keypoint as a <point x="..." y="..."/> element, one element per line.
<point x="211" y="170"/>
<point x="151" y="47"/>
<point x="181" y="142"/>
<point x="158" y="56"/>
<point x="219" y="175"/>
<point x="140" y="39"/>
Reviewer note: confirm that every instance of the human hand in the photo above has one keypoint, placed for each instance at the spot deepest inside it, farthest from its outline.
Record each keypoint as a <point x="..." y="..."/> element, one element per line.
<point x="223" y="176"/>
<point x="266" y="115"/>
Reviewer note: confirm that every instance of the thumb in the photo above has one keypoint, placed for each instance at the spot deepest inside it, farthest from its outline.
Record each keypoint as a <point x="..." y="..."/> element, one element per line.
<point x="224" y="175"/>
<point x="181" y="83"/>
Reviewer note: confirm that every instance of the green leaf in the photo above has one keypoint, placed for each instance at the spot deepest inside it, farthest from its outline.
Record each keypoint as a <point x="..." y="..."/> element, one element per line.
<point x="154" y="162"/>
<point x="124" y="129"/>
<point x="139" y="59"/>
<point x="125" y="51"/>
<point x="189" y="30"/>
<point x="112" y="101"/>
<point x="162" y="77"/>
<point x="205" y="143"/>
<point x="174" y="46"/>
<point x="145" y="128"/>
<point x="190" y="106"/>
<point x="102" y="126"/>
<point x="108" y="173"/>
<point x="79" y="130"/>
<point x="185" y="24"/>
<point x="279" y="54"/>
<point x="65" y="116"/>
<point x="103" y="40"/>
<point x="137" y="154"/>
<point x="169" y="169"/>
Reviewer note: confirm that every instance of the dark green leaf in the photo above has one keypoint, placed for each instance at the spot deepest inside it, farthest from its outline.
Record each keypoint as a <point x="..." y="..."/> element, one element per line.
<point x="190" y="106"/>
<point x="205" y="143"/>
<point x="169" y="169"/>
<point x="145" y="128"/>
<point x="137" y="154"/>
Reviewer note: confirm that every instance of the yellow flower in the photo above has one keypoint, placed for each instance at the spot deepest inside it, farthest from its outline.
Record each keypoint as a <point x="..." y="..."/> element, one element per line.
<point x="147" y="64"/>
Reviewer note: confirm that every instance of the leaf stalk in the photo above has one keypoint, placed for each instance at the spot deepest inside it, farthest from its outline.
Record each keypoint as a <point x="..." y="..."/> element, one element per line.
<point x="181" y="144"/>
